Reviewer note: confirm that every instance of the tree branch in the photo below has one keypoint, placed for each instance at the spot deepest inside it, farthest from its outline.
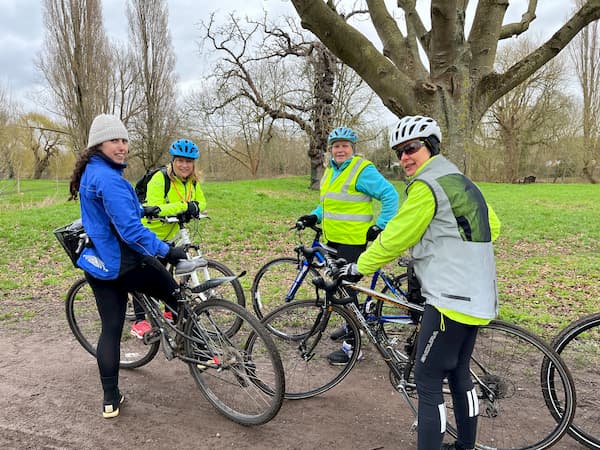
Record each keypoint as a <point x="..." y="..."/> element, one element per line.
<point x="358" y="52"/>
<point x="402" y="51"/>
<point x="483" y="39"/>
<point x="413" y="20"/>
<point x="514" y="29"/>
<point x="495" y="86"/>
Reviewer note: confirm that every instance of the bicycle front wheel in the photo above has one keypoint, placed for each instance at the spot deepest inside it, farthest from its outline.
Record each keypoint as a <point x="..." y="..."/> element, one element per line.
<point x="246" y="388"/>
<point x="506" y="365"/>
<point x="579" y="347"/>
<point x="307" y="369"/>
<point x="274" y="281"/>
<point x="84" y="321"/>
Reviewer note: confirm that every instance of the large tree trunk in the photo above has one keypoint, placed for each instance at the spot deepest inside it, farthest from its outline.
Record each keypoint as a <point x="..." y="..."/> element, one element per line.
<point x="322" y="117"/>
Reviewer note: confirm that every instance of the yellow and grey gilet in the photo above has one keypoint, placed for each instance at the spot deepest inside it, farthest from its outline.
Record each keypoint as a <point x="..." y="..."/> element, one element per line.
<point x="454" y="260"/>
<point x="347" y="213"/>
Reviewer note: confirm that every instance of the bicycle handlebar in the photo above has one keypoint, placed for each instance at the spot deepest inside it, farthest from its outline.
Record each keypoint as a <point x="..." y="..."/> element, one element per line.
<point x="299" y="226"/>
<point x="178" y="218"/>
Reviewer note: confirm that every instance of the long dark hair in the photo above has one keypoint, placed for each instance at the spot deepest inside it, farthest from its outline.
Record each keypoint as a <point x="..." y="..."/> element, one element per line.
<point x="80" y="164"/>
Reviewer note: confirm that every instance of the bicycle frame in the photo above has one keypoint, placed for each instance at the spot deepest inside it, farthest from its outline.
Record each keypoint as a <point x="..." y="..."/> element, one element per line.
<point x="400" y="364"/>
<point x="184" y="313"/>
<point x="320" y="252"/>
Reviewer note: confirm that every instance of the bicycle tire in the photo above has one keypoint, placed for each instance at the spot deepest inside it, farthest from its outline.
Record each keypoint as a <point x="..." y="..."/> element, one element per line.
<point x="246" y="388"/>
<point x="518" y="418"/>
<point x="273" y="281"/>
<point x="85" y="324"/>
<point x="308" y="377"/>
<point x="579" y="347"/>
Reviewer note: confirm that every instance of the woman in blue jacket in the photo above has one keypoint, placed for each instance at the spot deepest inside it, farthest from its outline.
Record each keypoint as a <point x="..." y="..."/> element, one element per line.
<point x="121" y="257"/>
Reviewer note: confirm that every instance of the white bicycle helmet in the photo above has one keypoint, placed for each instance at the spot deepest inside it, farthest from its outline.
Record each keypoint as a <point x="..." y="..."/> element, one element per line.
<point x="414" y="127"/>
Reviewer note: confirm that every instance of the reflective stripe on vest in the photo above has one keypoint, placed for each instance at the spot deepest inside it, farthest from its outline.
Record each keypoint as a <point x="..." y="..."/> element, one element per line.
<point x="347" y="213"/>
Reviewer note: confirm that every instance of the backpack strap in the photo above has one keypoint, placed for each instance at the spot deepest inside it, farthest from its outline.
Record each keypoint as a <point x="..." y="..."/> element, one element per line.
<point x="163" y="169"/>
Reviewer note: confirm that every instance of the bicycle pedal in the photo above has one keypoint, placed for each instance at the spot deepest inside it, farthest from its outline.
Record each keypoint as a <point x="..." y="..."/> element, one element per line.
<point x="151" y="336"/>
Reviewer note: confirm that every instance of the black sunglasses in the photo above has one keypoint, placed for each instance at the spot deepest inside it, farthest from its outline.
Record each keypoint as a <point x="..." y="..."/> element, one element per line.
<point x="409" y="149"/>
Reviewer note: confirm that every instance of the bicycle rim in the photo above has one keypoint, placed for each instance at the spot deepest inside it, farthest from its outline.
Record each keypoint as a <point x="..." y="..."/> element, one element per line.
<point x="579" y="347"/>
<point x="273" y="281"/>
<point x="84" y="321"/>
<point x="246" y="388"/>
<point x="308" y="376"/>
<point x="506" y="361"/>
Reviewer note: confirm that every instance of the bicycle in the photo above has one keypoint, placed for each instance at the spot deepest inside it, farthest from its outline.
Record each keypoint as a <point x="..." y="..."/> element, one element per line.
<point x="579" y="347"/>
<point x="80" y="303"/>
<point x="209" y="269"/>
<point x="247" y="389"/>
<point x="511" y="391"/>
<point x="283" y="279"/>
<point x="269" y="286"/>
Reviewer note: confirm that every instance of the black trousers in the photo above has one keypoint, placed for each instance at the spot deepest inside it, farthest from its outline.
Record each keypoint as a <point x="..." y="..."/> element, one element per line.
<point x="149" y="277"/>
<point x="444" y="350"/>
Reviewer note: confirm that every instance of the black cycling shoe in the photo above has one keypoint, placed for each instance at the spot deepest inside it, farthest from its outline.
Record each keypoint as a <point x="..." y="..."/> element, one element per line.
<point x="111" y="408"/>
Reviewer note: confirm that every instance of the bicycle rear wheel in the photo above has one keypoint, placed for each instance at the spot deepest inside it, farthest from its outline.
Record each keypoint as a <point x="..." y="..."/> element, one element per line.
<point x="273" y="282"/>
<point x="309" y="374"/>
<point x="84" y="321"/>
<point x="506" y="363"/>
<point x="246" y="388"/>
<point x="579" y="347"/>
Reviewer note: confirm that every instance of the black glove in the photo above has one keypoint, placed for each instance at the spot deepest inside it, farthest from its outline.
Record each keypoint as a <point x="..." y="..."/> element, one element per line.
<point x="151" y="211"/>
<point x="193" y="210"/>
<point x="350" y="272"/>
<point x="175" y="254"/>
<point x="373" y="232"/>
<point x="306" y="221"/>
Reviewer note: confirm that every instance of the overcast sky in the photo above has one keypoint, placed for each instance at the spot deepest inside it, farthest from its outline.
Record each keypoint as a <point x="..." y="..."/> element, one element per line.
<point x="21" y="32"/>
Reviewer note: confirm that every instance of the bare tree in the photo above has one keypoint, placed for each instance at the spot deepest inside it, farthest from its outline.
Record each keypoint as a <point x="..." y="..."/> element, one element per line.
<point x="43" y="139"/>
<point x="154" y="63"/>
<point x="532" y="114"/>
<point x="458" y="83"/>
<point x="300" y="79"/>
<point x="76" y="64"/>
<point x="125" y="88"/>
<point x="585" y="55"/>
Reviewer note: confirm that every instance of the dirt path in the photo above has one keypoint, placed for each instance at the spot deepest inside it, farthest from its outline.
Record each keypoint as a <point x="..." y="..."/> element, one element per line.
<point x="51" y="399"/>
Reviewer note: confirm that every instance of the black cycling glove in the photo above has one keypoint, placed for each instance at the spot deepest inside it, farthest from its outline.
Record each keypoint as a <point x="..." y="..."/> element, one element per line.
<point x="175" y="254"/>
<point x="307" y="221"/>
<point x="373" y="232"/>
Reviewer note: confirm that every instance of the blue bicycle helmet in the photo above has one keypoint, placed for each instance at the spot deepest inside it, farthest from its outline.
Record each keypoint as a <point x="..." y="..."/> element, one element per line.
<point x="184" y="148"/>
<point x="342" y="134"/>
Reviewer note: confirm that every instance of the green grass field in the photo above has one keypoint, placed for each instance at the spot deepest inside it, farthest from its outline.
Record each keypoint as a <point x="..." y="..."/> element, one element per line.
<point x="548" y="254"/>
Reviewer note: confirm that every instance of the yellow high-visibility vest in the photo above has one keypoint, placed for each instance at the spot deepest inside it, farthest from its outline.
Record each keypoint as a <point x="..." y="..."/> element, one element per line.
<point x="347" y="213"/>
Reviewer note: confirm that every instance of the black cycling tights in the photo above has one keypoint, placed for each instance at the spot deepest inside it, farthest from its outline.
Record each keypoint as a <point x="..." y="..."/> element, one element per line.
<point x="149" y="277"/>
<point x="444" y="350"/>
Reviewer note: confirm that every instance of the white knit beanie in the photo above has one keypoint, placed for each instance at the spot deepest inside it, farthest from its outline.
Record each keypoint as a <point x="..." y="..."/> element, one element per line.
<point x="106" y="127"/>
